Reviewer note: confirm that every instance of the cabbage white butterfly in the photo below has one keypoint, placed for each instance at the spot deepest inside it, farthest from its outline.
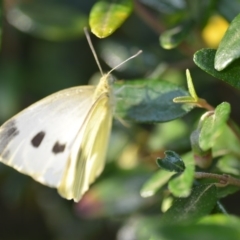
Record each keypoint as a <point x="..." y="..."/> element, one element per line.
<point x="61" y="140"/>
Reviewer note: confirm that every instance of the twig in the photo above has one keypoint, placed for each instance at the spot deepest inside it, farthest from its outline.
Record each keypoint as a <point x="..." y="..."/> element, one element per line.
<point x="223" y="180"/>
<point x="148" y="17"/>
<point x="202" y="103"/>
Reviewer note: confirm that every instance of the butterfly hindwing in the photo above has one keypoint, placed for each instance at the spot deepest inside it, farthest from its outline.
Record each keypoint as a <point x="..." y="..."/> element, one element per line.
<point x="38" y="140"/>
<point x="89" y="149"/>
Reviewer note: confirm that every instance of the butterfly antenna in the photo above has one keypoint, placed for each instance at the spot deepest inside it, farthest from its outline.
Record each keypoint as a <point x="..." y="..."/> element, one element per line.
<point x="93" y="50"/>
<point x="135" y="55"/>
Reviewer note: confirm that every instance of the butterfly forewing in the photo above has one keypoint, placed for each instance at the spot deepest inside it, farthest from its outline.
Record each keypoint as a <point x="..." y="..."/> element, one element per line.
<point x="38" y="140"/>
<point x="88" y="153"/>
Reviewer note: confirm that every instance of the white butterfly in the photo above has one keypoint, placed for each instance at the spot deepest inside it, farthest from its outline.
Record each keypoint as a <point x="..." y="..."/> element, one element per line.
<point x="61" y="140"/>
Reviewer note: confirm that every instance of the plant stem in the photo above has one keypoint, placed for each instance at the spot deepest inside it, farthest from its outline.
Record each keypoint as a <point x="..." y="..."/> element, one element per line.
<point x="148" y="17"/>
<point x="202" y="103"/>
<point x="223" y="180"/>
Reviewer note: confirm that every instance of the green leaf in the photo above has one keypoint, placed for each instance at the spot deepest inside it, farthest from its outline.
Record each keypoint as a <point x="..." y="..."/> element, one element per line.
<point x="229" y="48"/>
<point x="171" y="162"/>
<point x="225" y="191"/>
<point x="149" y="101"/>
<point x="191" y="88"/>
<point x="221" y="220"/>
<point x="186" y="99"/>
<point x="205" y="60"/>
<point x="157" y="180"/>
<point x="182" y="184"/>
<point x="203" y="158"/>
<point x="201" y="202"/>
<point x="193" y="98"/>
<point x="219" y="226"/>
<point x="108" y="15"/>
<point x="53" y="22"/>
<point x="212" y="125"/>
<point x="197" y="232"/>
<point x="227" y="140"/>
<point x="173" y="37"/>
<point x="229" y="164"/>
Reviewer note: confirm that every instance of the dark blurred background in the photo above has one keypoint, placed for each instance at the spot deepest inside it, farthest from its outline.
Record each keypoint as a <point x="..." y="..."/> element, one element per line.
<point x="44" y="50"/>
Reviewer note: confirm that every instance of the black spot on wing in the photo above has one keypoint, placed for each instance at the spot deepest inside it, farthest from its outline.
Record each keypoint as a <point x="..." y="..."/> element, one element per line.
<point x="8" y="131"/>
<point x="37" y="139"/>
<point x="58" y="148"/>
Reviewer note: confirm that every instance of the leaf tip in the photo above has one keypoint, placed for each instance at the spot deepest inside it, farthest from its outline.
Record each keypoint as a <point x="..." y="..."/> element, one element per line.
<point x="219" y="64"/>
<point x="146" y="193"/>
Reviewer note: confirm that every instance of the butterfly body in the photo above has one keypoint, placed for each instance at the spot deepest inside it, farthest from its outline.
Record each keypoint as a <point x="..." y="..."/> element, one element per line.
<point x="61" y="140"/>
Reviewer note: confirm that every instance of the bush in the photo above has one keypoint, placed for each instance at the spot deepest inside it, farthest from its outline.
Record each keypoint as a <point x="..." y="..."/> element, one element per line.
<point x="172" y="168"/>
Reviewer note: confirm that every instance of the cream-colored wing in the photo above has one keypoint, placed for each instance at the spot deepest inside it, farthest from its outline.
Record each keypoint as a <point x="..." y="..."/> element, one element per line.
<point x="88" y="151"/>
<point x="38" y="140"/>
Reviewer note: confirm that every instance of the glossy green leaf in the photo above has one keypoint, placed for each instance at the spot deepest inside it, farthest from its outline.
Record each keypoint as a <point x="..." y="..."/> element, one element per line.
<point x="186" y="99"/>
<point x="227" y="140"/>
<point x="229" y="48"/>
<point x="191" y="88"/>
<point x="149" y="101"/>
<point x="229" y="164"/>
<point x="173" y="37"/>
<point x="193" y="98"/>
<point x="225" y="191"/>
<point x="157" y="180"/>
<point x="182" y="184"/>
<point x="196" y="232"/>
<point x="53" y="22"/>
<point x="171" y="162"/>
<point x="221" y="220"/>
<point x="203" y="158"/>
<point x="219" y="226"/>
<point x="205" y="60"/>
<point x="108" y="15"/>
<point x="201" y="202"/>
<point x="212" y="125"/>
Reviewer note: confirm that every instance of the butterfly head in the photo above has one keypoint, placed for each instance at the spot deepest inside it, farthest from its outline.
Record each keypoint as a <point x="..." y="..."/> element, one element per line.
<point x="110" y="78"/>
<point x="104" y="86"/>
